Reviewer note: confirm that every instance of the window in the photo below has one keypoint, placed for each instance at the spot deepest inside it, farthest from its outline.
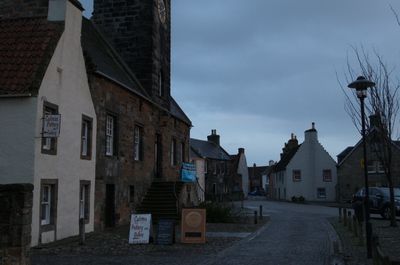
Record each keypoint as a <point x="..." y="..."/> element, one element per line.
<point x="183" y="152"/>
<point x="110" y="135"/>
<point x="84" y="200"/>
<point x="173" y="152"/>
<point x="296" y="175"/>
<point x="138" y="143"/>
<point x="49" y="145"/>
<point x="214" y="188"/>
<point x="131" y="193"/>
<point x="375" y="167"/>
<point x="321" y="193"/>
<point x="86" y="137"/>
<point x="160" y="84"/>
<point x="48" y="203"/>
<point x="327" y="175"/>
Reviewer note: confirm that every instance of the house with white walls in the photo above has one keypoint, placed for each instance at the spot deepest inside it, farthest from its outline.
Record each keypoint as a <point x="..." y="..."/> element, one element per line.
<point x="305" y="170"/>
<point x="47" y="115"/>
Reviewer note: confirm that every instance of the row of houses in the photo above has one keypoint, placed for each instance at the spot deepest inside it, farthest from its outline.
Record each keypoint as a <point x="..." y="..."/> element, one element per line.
<point x="307" y="170"/>
<point x="88" y="118"/>
<point x="87" y="113"/>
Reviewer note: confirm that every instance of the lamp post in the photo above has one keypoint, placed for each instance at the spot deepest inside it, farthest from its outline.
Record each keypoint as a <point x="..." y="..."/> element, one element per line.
<point x="361" y="85"/>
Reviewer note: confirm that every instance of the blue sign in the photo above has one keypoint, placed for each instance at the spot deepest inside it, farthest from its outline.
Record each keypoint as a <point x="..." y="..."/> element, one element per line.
<point x="188" y="173"/>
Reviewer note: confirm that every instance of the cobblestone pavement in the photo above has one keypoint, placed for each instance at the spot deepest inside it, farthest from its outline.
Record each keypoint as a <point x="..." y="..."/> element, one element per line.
<point x="296" y="234"/>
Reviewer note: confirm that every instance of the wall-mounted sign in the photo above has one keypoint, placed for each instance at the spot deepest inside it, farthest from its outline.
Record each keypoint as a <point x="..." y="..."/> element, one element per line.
<point x="188" y="172"/>
<point x="51" y="125"/>
<point x="139" y="232"/>
<point x="193" y="226"/>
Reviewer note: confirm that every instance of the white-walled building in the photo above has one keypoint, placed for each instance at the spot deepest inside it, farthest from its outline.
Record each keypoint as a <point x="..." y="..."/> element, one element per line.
<point x="305" y="170"/>
<point x="43" y="77"/>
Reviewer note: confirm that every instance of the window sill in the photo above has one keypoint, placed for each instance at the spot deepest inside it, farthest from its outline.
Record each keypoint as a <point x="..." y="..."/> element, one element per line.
<point x="48" y="227"/>
<point x="86" y="157"/>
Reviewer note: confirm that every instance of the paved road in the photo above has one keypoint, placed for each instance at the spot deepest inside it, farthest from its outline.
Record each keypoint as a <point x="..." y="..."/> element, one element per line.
<point x="297" y="234"/>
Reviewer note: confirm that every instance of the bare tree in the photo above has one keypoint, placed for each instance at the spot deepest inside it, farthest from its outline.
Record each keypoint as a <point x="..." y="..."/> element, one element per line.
<point x="383" y="103"/>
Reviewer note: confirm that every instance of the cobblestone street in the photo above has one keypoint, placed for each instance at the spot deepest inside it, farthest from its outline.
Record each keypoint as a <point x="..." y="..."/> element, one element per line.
<point x="295" y="234"/>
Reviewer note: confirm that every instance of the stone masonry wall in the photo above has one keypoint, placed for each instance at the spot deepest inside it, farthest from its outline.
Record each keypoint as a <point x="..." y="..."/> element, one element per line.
<point x="23" y="8"/>
<point x="15" y="223"/>
<point x="136" y="32"/>
<point x="351" y="175"/>
<point x="122" y="170"/>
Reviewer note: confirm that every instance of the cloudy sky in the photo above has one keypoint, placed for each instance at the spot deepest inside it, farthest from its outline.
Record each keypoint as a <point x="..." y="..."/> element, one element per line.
<point x="259" y="70"/>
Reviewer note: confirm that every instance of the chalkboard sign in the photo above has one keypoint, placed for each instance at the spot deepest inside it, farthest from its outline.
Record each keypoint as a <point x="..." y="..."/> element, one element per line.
<point x="165" y="232"/>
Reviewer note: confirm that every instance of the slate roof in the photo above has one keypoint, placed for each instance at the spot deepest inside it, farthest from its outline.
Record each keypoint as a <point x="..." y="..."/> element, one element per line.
<point x="209" y="149"/>
<point x="281" y="165"/>
<point x="106" y="61"/>
<point x="344" y="153"/>
<point x="26" y="47"/>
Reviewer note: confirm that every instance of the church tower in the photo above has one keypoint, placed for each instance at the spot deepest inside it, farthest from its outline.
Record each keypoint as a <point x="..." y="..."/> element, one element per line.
<point x="140" y="31"/>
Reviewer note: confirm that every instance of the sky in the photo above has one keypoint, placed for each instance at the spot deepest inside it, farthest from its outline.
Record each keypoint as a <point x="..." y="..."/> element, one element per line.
<point x="259" y="70"/>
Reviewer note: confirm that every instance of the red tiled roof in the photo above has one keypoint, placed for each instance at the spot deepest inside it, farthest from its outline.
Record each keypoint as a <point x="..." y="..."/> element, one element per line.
<point x="26" y="47"/>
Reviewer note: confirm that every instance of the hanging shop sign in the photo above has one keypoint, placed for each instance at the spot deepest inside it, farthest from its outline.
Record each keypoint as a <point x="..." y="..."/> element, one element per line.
<point x="51" y="125"/>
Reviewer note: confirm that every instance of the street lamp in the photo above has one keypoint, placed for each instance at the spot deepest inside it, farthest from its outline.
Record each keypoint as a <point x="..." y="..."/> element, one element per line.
<point x="361" y="85"/>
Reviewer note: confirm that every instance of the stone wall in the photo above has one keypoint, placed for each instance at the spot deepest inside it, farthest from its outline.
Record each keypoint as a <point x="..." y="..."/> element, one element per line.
<point x="23" y="8"/>
<point x="135" y="30"/>
<point x="15" y="223"/>
<point x="122" y="170"/>
<point x="351" y="175"/>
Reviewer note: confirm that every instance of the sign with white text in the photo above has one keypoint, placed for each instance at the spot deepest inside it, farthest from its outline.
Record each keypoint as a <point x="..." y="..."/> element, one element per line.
<point x="51" y="125"/>
<point x="188" y="172"/>
<point x="139" y="232"/>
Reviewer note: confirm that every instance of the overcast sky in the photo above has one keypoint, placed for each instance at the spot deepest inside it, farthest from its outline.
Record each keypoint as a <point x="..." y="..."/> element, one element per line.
<point x="259" y="70"/>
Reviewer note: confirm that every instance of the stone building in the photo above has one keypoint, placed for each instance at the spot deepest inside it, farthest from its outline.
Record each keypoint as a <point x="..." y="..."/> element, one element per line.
<point x="143" y="134"/>
<point x="223" y="178"/>
<point x="351" y="173"/>
<point x="255" y="177"/>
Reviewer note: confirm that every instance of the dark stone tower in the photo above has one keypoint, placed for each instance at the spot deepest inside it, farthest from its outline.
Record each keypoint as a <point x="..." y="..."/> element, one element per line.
<point x="140" y="31"/>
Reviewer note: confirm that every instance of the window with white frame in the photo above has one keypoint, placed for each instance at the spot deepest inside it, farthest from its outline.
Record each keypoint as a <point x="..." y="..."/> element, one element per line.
<point x="48" y="203"/>
<point x="84" y="200"/>
<point x="138" y="148"/>
<point x="296" y="175"/>
<point x="321" y="193"/>
<point x="375" y="167"/>
<point x="110" y="135"/>
<point x="86" y="137"/>
<point x="327" y="175"/>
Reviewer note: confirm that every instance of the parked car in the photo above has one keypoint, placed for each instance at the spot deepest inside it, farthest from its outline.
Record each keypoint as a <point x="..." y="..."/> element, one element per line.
<point x="257" y="192"/>
<point x="379" y="200"/>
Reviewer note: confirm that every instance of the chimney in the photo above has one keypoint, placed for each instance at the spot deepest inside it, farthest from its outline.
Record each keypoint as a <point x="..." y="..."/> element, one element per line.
<point x="241" y="150"/>
<point x="374" y="121"/>
<point x="311" y="134"/>
<point x="292" y="143"/>
<point x="57" y="9"/>
<point x="214" y="137"/>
